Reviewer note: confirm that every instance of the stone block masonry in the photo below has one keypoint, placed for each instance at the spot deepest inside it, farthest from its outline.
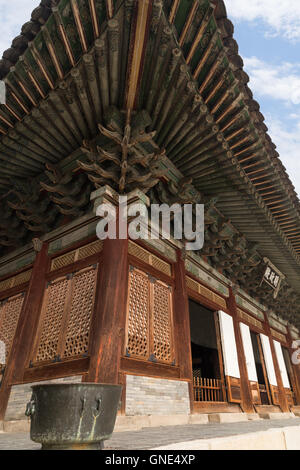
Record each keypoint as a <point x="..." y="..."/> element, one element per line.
<point x="150" y="396"/>
<point x="21" y="394"/>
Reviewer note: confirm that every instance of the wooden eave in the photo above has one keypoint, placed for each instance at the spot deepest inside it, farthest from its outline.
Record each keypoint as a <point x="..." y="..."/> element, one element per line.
<point x="192" y="85"/>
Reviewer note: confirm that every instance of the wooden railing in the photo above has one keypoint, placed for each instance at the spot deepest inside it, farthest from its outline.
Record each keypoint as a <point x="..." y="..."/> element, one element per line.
<point x="208" y="390"/>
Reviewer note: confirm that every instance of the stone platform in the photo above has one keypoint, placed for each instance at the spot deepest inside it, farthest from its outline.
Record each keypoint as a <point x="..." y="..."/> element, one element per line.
<point x="261" y="434"/>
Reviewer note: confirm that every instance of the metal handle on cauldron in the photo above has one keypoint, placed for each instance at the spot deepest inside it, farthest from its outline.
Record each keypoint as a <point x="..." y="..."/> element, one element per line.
<point x="30" y="409"/>
<point x="83" y="401"/>
<point x="97" y="410"/>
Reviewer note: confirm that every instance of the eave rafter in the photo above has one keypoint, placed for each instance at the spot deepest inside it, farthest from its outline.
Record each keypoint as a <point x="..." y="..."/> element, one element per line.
<point x="184" y="71"/>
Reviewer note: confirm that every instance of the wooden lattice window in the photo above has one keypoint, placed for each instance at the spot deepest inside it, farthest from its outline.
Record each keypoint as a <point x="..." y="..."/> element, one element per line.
<point x="66" y="316"/>
<point x="10" y="310"/>
<point x="149" y="318"/>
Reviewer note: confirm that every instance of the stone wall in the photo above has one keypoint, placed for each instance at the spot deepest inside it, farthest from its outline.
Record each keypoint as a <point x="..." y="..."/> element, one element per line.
<point x="20" y="395"/>
<point x="149" y="396"/>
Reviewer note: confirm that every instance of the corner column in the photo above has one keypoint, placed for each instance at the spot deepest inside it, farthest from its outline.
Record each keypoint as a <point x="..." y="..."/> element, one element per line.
<point x="246" y="395"/>
<point x="26" y="328"/>
<point x="108" y="323"/>
<point x="181" y="319"/>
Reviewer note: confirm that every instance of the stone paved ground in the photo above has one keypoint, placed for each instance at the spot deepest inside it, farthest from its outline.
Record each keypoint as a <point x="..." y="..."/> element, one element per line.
<point x="149" y="438"/>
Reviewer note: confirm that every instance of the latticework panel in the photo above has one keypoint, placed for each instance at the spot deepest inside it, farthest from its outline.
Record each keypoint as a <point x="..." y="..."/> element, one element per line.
<point x="52" y="318"/>
<point x="278" y="336"/>
<point x="9" y="316"/>
<point x="77" y="255"/>
<point x="15" y="281"/>
<point x="162" y="322"/>
<point x="205" y="292"/>
<point x="248" y="318"/>
<point x="147" y="257"/>
<point x="138" y="315"/>
<point x="79" y="318"/>
<point x="63" y="261"/>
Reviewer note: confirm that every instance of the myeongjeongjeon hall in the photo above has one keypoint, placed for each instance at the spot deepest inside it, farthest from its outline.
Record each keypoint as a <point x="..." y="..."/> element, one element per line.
<point x="149" y="99"/>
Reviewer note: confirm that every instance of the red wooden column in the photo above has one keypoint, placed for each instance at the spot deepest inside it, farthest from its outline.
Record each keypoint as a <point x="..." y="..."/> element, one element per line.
<point x="295" y="368"/>
<point x="246" y="395"/>
<point x="282" y="396"/>
<point x="108" y="324"/>
<point x="181" y="320"/>
<point x="24" y="336"/>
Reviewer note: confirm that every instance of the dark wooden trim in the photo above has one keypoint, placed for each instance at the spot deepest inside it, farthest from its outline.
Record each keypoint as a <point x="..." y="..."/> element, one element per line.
<point x="56" y="371"/>
<point x="246" y="394"/>
<point x="131" y="366"/>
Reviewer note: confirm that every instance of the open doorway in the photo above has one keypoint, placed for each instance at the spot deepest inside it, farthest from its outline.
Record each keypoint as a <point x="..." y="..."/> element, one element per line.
<point x="206" y="355"/>
<point x="260" y="369"/>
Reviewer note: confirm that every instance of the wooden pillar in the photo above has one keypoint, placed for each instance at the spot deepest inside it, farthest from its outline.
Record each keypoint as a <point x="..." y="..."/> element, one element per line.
<point x="108" y="323"/>
<point x="26" y="328"/>
<point x="295" y="368"/>
<point x="246" y="395"/>
<point x="181" y="320"/>
<point x="283" y="402"/>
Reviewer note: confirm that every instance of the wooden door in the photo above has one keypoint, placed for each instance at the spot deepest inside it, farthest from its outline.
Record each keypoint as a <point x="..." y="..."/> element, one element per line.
<point x="230" y="358"/>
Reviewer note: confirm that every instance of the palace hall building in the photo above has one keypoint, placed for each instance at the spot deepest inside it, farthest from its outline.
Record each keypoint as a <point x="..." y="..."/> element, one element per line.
<point x="148" y="99"/>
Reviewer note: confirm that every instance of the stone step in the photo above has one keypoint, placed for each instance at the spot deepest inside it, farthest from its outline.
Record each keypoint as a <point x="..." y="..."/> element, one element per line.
<point x="135" y="423"/>
<point x="276" y="415"/>
<point x="287" y="438"/>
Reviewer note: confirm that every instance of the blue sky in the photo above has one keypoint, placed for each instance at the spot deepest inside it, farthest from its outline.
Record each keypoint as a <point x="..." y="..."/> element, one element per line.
<point x="268" y="33"/>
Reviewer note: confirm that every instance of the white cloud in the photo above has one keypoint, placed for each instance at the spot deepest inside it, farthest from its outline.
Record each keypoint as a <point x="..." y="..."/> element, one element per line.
<point x="287" y="139"/>
<point x="282" y="16"/>
<point x="280" y="82"/>
<point x="13" y="14"/>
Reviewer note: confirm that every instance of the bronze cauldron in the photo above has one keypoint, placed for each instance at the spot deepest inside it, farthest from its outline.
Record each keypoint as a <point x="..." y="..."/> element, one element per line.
<point x="73" y="416"/>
